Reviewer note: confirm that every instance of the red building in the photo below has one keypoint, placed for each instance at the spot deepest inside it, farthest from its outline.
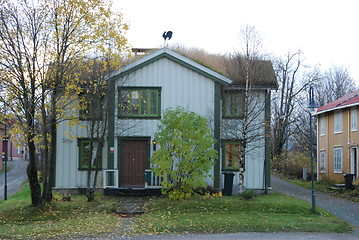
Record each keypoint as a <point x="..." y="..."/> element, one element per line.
<point x="15" y="151"/>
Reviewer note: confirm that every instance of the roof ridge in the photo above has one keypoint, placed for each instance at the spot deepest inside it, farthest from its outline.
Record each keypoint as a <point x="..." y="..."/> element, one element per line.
<point x="347" y="99"/>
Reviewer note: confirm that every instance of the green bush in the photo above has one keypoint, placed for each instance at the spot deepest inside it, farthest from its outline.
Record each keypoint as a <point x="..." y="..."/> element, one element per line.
<point x="249" y="194"/>
<point x="186" y="152"/>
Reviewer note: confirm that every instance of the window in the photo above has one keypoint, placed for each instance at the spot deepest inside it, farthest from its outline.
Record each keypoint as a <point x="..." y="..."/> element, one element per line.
<point x="233" y="104"/>
<point x="338" y="119"/>
<point x="338" y="160"/>
<point x="322" y="125"/>
<point x="322" y="161"/>
<point x="86" y="149"/>
<point x="91" y="108"/>
<point x="353" y="113"/>
<point x="140" y="102"/>
<point x="231" y="152"/>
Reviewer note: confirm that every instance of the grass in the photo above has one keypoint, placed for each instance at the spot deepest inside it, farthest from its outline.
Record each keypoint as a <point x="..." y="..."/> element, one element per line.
<point x="266" y="213"/>
<point x="352" y="195"/>
<point x="78" y="218"/>
<point x="19" y="220"/>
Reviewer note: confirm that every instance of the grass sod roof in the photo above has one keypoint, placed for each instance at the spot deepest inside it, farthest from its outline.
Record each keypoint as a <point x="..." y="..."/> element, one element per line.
<point x="261" y="71"/>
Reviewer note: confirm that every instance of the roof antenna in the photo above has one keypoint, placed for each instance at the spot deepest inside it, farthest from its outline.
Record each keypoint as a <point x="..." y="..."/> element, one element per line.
<point x="166" y="35"/>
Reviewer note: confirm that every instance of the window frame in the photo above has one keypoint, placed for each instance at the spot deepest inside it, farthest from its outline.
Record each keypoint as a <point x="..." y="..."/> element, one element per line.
<point x="323" y="125"/>
<point x="149" y="90"/>
<point x="232" y="96"/>
<point x="338" y="122"/>
<point x="323" y="159"/>
<point x="338" y="160"/>
<point x="81" y="165"/>
<point x="224" y="155"/>
<point x="354" y="119"/>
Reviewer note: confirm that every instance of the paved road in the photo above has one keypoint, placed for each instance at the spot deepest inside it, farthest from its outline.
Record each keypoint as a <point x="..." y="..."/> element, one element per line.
<point x="15" y="177"/>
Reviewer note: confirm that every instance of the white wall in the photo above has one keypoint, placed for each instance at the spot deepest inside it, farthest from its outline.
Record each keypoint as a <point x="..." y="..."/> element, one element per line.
<point x="67" y="157"/>
<point x="180" y="86"/>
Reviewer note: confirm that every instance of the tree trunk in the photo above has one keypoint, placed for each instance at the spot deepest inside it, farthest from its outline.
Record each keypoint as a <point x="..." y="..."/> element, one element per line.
<point x="90" y="193"/>
<point x="32" y="175"/>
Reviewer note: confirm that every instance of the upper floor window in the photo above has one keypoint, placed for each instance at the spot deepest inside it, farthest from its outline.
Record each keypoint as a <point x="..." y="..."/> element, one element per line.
<point x="323" y="167"/>
<point x="91" y="110"/>
<point x="140" y="102"/>
<point x="322" y="125"/>
<point x="233" y="104"/>
<point x="354" y="117"/>
<point x="338" y="122"/>
<point x="338" y="160"/>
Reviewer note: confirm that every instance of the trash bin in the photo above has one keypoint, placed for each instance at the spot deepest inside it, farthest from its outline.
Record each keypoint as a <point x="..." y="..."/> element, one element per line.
<point x="228" y="183"/>
<point x="348" y="179"/>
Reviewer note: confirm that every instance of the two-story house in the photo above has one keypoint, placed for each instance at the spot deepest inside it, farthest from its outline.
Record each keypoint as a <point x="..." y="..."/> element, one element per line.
<point x="139" y="94"/>
<point x="338" y="138"/>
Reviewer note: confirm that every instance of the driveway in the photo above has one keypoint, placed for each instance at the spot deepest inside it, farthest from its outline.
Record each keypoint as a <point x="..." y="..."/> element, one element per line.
<point x="346" y="210"/>
<point x="15" y="177"/>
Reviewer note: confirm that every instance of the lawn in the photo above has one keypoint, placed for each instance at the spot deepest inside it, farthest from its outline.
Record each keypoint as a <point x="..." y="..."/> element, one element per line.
<point x="352" y="195"/>
<point x="266" y="213"/>
<point x="60" y="219"/>
<point x="78" y="218"/>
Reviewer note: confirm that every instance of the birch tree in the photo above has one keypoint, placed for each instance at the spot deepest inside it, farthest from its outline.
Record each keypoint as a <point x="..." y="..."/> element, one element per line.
<point x="248" y="68"/>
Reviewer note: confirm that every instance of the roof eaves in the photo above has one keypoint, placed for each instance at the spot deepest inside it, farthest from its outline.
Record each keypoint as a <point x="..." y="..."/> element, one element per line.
<point x="337" y="108"/>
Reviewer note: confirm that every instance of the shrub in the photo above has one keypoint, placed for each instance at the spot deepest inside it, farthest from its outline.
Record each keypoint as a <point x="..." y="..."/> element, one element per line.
<point x="186" y="152"/>
<point x="249" y="194"/>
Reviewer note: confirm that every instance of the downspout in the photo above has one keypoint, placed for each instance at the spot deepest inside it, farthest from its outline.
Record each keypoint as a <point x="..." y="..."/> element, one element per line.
<point x="318" y="134"/>
<point x="217" y="133"/>
<point x="111" y="123"/>
<point x="349" y="144"/>
<point x="267" y="176"/>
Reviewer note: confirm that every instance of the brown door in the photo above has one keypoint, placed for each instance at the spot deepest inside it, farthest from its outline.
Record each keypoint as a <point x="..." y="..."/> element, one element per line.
<point x="134" y="156"/>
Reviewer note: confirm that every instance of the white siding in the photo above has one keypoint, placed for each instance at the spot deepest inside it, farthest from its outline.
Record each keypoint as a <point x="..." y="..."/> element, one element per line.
<point x="67" y="158"/>
<point x="255" y="155"/>
<point x="180" y="86"/>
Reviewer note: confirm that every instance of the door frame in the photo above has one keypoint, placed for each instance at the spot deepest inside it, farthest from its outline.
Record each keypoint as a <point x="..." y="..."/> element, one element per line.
<point x="134" y="138"/>
<point x="354" y="161"/>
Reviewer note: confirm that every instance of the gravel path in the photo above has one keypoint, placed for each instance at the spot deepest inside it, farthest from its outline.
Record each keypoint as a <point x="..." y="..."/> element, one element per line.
<point x="346" y="210"/>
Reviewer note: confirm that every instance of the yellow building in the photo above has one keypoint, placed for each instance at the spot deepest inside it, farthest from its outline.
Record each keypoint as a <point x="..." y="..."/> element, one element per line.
<point x="338" y="138"/>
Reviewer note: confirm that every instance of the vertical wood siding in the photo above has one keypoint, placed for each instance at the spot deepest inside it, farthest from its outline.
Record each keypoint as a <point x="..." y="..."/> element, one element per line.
<point x="180" y="86"/>
<point x="67" y="158"/>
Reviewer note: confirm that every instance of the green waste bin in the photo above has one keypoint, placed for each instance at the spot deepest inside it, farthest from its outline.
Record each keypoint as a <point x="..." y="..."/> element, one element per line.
<point x="228" y="183"/>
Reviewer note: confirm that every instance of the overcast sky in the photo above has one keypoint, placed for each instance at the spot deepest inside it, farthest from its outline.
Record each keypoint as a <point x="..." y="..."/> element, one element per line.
<point x="326" y="31"/>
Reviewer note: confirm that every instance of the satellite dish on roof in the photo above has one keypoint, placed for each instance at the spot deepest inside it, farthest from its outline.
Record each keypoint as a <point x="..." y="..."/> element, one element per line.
<point x="167" y="35"/>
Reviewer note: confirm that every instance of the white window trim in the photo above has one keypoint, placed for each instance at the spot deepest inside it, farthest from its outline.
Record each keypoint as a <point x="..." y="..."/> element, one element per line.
<point x="336" y="170"/>
<point x="353" y="112"/>
<point x="323" y="161"/>
<point x="336" y="115"/>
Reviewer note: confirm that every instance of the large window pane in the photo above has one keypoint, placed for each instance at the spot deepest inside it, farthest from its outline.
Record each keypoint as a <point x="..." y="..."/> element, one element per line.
<point x="233" y="104"/>
<point x="86" y="149"/>
<point x="139" y="102"/>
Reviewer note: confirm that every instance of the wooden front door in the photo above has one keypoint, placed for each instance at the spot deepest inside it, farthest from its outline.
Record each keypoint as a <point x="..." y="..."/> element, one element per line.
<point x="134" y="157"/>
